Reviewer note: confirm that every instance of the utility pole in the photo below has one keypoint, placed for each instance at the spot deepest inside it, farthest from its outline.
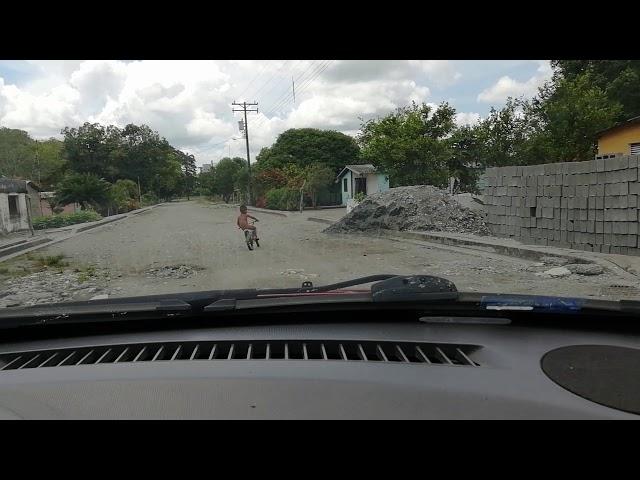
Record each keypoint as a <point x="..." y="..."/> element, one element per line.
<point x="38" y="165"/>
<point x="244" y="109"/>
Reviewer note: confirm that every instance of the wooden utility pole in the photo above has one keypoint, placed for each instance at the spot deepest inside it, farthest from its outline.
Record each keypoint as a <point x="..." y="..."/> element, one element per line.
<point x="244" y="109"/>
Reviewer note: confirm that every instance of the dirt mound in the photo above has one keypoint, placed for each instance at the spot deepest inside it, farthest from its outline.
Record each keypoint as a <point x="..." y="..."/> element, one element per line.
<point x="421" y="208"/>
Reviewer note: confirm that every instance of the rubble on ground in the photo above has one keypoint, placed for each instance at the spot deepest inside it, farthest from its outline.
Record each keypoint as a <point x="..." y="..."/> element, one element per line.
<point x="584" y="268"/>
<point x="50" y="286"/>
<point x="420" y="208"/>
<point x="171" y="271"/>
<point x="555" y="272"/>
<point x="557" y="261"/>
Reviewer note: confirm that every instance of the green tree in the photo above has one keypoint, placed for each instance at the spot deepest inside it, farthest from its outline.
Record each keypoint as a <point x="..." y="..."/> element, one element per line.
<point x="50" y="163"/>
<point x="207" y="182"/>
<point x="167" y="180"/>
<point x="307" y="146"/>
<point x="90" y="148"/>
<point x="226" y="176"/>
<point x="618" y="79"/>
<point x="17" y="153"/>
<point x="410" y="144"/>
<point x="124" y="195"/>
<point x="86" y="189"/>
<point x="465" y="161"/>
<point x="566" y="117"/>
<point x="317" y="177"/>
<point x="189" y="172"/>
<point x="23" y="157"/>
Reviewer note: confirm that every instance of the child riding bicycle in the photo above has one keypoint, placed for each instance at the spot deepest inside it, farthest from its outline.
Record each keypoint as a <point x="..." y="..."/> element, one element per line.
<point x="243" y="221"/>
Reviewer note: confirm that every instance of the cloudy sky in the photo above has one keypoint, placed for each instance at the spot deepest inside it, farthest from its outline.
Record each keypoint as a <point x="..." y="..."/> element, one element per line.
<point x="189" y="102"/>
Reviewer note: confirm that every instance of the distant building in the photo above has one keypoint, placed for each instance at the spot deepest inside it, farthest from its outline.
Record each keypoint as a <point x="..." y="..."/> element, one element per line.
<point x="19" y="201"/>
<point x="354" y="179"/>
<point x="621" y="139"/>
<point x="47" y="211"/>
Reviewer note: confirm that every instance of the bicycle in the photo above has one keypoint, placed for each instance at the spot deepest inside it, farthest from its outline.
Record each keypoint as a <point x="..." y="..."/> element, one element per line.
<point x="250" y="237"/>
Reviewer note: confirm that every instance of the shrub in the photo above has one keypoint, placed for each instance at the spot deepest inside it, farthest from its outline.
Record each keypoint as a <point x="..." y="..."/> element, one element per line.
<point x="283" y="199"/>
<point x="359" y="197"/>
<point x="52" y="261"/>
<point x="65" y="219"/>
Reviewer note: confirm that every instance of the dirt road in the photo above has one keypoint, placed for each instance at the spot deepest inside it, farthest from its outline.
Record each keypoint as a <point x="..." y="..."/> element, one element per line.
<point x="204" y="239"/>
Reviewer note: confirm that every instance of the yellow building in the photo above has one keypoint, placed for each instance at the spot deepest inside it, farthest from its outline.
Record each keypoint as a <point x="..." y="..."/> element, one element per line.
<point x="623" y="138"/>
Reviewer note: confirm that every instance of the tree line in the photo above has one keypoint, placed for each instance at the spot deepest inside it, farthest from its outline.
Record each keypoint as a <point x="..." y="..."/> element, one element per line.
<point x="301" y="161"/>
<point x="106" y="168"/>
<point x="419" y="144"/>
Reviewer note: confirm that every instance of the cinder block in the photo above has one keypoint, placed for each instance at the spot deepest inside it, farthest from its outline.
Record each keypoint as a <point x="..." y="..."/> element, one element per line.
<point x="607" y="227"/>
<point x="631" y="174"/>
<point x="620" y="228"/>
<point x="616" y="189"/>
<point x="591" y="226"/>
<point x="608" y="238"/>
<point x="633" y="161"/>
<point x="599" y="227"/>
<point x="599" y="189"/>
<point x="605" y="248"/>
<point x="632" y="214"/>
<point x="616" y="215"/>
<point x="584" y="214"/>
<point x="633" y="228"/>
<point x="634" y="188"/>
<point x="599" y="238"/>
<point x="599" y="203"/>
<point x="547" y="212"/>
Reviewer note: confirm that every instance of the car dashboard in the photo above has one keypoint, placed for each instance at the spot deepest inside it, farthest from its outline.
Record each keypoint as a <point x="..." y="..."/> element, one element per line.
<point x="318" y="370"/>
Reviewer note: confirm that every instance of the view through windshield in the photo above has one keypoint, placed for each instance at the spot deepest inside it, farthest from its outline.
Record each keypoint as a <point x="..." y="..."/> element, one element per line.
<point x="127" y="178"/>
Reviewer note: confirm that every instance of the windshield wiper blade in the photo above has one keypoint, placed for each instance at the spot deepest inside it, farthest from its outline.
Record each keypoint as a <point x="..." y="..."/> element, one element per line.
<point x="95" y="310"/>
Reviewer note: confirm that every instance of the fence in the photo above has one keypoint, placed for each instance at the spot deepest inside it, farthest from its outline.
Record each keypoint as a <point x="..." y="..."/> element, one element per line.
<point x="589" y="205"/>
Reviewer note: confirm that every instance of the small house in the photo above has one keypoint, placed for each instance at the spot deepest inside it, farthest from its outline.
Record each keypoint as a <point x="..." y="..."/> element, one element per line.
<point x="18" y="200"/>
<point x="354" y="179"/>
<point x="621" y="139"/>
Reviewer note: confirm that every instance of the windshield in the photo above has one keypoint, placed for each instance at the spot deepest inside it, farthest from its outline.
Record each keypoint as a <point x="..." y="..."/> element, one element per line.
<point x="127" y="178"/>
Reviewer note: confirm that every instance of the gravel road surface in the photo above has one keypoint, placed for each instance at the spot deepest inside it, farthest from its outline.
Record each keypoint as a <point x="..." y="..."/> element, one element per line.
<point x="192" y="246"/>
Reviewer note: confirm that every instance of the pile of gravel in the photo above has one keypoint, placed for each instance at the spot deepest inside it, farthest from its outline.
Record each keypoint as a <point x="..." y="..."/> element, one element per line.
<point x="171" y="271"/>
<point x="421" y="208"/>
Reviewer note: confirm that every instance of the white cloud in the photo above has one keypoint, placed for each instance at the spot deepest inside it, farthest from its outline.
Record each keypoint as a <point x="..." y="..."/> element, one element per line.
<point x="467" y="118"/>
<point x="508" y="87"/>
<point x="189" y="102"/>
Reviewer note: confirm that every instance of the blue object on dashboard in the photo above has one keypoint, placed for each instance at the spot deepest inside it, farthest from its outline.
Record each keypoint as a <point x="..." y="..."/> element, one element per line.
<point x="532" y="302"/>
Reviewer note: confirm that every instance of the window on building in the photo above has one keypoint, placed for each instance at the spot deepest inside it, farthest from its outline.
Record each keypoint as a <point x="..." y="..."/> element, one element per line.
<point x="634" y="148"/>
<point x="13" y="206"/>
<point x="344" y="185"/>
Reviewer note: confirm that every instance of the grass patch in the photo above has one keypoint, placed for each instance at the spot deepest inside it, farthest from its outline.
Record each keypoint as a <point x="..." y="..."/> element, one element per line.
<point x="86" y="273"/>
<point x="52" y="261"/>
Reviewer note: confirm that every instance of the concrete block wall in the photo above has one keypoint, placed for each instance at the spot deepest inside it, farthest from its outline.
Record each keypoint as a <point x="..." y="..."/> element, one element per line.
<point x="589" y="205"/>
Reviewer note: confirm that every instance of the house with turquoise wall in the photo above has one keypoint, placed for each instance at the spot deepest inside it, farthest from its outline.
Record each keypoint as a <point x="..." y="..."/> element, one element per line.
<point x="365" y="178"/>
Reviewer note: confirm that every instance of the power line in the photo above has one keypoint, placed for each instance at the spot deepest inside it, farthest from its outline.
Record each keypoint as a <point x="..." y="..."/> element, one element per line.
<point x="270" y="79"/>
<point x="305" y="84"/>
<point x="303" y="75"/>
<point x="264" y="68"/>
<point x="302" y="87"/>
